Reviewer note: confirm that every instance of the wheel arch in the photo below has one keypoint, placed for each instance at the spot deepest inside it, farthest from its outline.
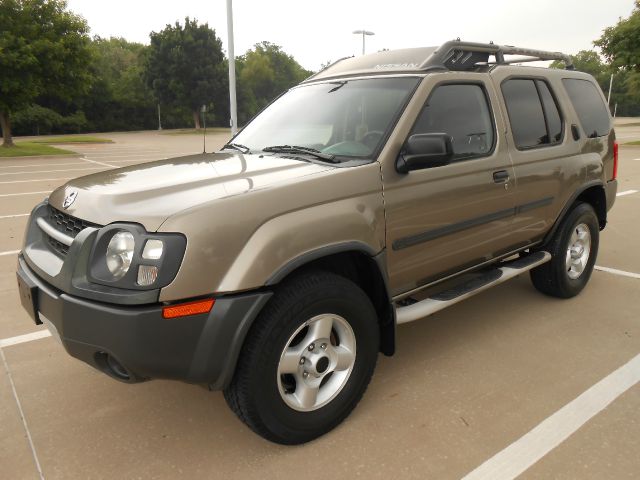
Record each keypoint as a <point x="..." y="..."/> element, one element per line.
<point x="357" y="262"/>
<point x="592" y="193"/>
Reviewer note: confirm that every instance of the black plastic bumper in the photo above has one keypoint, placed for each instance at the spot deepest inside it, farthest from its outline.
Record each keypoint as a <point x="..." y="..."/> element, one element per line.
<point x="610" y="191"/>
<point x="197" y="349"/>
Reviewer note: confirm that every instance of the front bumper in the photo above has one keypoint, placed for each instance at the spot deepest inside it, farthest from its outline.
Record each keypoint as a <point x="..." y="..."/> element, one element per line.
<point x="197" y="349"/>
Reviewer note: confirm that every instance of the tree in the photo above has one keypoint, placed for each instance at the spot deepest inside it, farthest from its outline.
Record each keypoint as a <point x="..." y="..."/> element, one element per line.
<point x="589" y="61"/>
<point x="265" y="72"/>
<point x="185" y="67"/>
<point x="119" y="98"/>
<point x="43" y="50"/>
<point x="620" y="44"/>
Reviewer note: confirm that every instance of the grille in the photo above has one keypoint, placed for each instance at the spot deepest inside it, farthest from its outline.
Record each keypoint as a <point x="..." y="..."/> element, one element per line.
<point x="66" y="224"/>
<point x="57" y="246"/>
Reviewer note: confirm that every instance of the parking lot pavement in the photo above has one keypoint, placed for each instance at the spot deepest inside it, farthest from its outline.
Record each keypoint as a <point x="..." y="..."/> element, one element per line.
<point x="466" y="385"/>
<point x="612" y="435"/>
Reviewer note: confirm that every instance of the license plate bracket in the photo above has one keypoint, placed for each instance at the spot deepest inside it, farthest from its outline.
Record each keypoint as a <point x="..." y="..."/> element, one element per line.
<point x="29" y="297"/>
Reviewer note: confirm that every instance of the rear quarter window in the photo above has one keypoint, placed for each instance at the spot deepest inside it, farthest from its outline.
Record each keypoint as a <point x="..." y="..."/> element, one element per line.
<point x="588" y="104"/>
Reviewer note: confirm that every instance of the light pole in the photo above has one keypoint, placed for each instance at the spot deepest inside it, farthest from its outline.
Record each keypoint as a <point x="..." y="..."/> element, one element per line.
<point x="232" y="71"/>
<point x="364" y="33"/>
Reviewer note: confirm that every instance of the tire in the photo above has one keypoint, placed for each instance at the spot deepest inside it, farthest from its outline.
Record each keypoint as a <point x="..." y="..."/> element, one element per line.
<point x="277" y="405"/>
<point x="565" y="277"/>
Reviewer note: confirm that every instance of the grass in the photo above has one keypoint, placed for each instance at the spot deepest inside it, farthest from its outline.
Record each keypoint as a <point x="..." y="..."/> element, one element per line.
<point x="634" y="124"/>
<point x="193" y="131"/>
<point x="27" y="149"/>
<point x="635" y="142"/>
<point x="73" y="139"/>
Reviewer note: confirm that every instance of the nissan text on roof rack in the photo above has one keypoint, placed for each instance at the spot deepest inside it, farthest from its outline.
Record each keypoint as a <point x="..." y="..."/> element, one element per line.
<point x="378" y="191"/>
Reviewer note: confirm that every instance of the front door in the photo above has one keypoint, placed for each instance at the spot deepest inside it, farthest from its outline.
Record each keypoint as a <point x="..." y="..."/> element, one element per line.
<point x="445" y="218"/>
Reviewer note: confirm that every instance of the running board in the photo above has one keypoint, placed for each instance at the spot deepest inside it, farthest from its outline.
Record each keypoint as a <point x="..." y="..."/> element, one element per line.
<point x="491" y="278"/>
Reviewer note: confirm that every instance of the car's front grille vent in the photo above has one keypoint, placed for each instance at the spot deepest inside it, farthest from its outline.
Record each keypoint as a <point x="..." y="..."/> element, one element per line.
<point x="70" y="226"/>
<point x="67" y="224"/>
<point x="57" y="246"/>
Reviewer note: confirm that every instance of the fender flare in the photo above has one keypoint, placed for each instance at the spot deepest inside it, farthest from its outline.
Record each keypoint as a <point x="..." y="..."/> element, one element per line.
<point x="387" y="314"/>
<point x="550" y="234"/>
<point x="325" y="251"/>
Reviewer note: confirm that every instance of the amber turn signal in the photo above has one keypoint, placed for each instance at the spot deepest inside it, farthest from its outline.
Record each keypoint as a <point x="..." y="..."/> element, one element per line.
<point x="190" y="308"/>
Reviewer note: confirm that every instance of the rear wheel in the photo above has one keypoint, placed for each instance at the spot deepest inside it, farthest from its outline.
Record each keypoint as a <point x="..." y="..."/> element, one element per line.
<point x="307" y="359"/>
<point x="574" y="248"/>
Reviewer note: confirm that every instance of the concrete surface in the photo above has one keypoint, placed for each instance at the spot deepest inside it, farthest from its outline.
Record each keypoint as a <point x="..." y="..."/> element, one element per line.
<point x="465" y="384"/>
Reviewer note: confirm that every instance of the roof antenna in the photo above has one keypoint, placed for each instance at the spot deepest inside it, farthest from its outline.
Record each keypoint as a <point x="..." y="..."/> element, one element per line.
<point x="203" y="109"/>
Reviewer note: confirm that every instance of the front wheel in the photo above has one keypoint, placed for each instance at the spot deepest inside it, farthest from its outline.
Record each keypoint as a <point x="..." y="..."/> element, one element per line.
<point x="307" y="359"/>
<point x="573" y="249"/>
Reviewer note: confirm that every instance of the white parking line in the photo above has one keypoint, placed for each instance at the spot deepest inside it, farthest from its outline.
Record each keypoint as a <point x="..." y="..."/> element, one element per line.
<point x="617" y="272"/>
<point x="117" y="148"/>
<point x="9" y="252"/>
<point x="28" y="337"/>
<point x="551" y="432"/>
<point x="35" y="180"/>
<point x="51" y="171"/>
<point x="120" y="155"/>
<point x="98" y="163"/>
<point x="41" y="165"/>
<point x="626" y="192"/>
<point x="138" y="160"/>
<point x="25" y="193"/>
<point x="14" y="216"/>
<point x="22" y="417"/>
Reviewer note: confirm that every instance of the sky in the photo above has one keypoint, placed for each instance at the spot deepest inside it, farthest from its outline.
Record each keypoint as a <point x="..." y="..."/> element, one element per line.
<point x="321" y="31"/>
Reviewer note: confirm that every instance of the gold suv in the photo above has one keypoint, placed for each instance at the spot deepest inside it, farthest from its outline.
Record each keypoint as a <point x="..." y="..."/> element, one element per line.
<point x="380" y="190"/>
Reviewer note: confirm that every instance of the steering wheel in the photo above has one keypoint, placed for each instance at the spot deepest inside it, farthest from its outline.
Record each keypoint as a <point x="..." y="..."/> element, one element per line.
<point x="372" y="138"/>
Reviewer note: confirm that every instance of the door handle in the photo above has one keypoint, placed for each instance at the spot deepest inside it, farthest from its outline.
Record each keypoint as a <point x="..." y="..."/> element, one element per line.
<point x="501" y="176"/>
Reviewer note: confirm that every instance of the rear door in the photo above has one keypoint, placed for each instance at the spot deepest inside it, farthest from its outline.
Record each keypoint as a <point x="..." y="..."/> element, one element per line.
<point x="547" y="146"/>
<point x="443" y="219"/>
<point x="537" y="131"/>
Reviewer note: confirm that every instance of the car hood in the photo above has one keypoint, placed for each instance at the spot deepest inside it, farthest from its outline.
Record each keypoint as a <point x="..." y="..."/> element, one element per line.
<point x="149" y="193"/>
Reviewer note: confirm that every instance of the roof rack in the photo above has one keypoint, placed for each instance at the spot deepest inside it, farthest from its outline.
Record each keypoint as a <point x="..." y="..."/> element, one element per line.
<point x="458" y="55"/>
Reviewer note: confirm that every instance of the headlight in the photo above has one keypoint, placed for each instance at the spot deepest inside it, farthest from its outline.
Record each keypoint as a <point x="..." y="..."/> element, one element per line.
<point x="120" y="253"/>
<point x="125" y="255"/>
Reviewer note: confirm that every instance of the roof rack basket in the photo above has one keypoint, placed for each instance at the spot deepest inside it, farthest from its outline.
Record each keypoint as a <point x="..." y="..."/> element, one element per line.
<point x="460" y="56"/>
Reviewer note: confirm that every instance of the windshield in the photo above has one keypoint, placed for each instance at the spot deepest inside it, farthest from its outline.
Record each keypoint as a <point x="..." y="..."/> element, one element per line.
<point x="342" y="118"/>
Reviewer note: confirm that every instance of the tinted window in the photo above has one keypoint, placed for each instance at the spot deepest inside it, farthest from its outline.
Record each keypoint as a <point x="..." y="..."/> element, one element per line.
<point x="589" y="106"/>
<point x="462" y="112"/>
<point x="551" y="112"/>
<point x="525" y="113"/>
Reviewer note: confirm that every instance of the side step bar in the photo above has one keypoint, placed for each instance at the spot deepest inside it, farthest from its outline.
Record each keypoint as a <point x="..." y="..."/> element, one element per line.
<point x="491" y="278"/>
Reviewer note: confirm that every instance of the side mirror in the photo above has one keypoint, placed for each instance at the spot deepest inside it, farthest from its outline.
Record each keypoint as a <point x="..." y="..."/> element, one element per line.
<point x="425" y="150"/>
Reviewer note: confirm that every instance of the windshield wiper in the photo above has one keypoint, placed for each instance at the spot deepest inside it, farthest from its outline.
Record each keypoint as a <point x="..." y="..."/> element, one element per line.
<point x="338" y="86"/>
<point x="306" y="150"/>
<point x="237" y="146"/>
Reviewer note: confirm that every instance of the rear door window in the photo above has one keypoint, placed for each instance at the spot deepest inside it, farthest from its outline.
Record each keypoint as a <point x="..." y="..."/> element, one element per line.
<point x="552" y="114"/>
<point x="461" y="111"/>
<point x="588" y="104"/>
<point x="533" y="114"/>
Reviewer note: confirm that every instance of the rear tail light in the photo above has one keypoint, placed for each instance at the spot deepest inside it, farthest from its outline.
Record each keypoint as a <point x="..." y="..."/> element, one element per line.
<point x="615" y="161"/>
